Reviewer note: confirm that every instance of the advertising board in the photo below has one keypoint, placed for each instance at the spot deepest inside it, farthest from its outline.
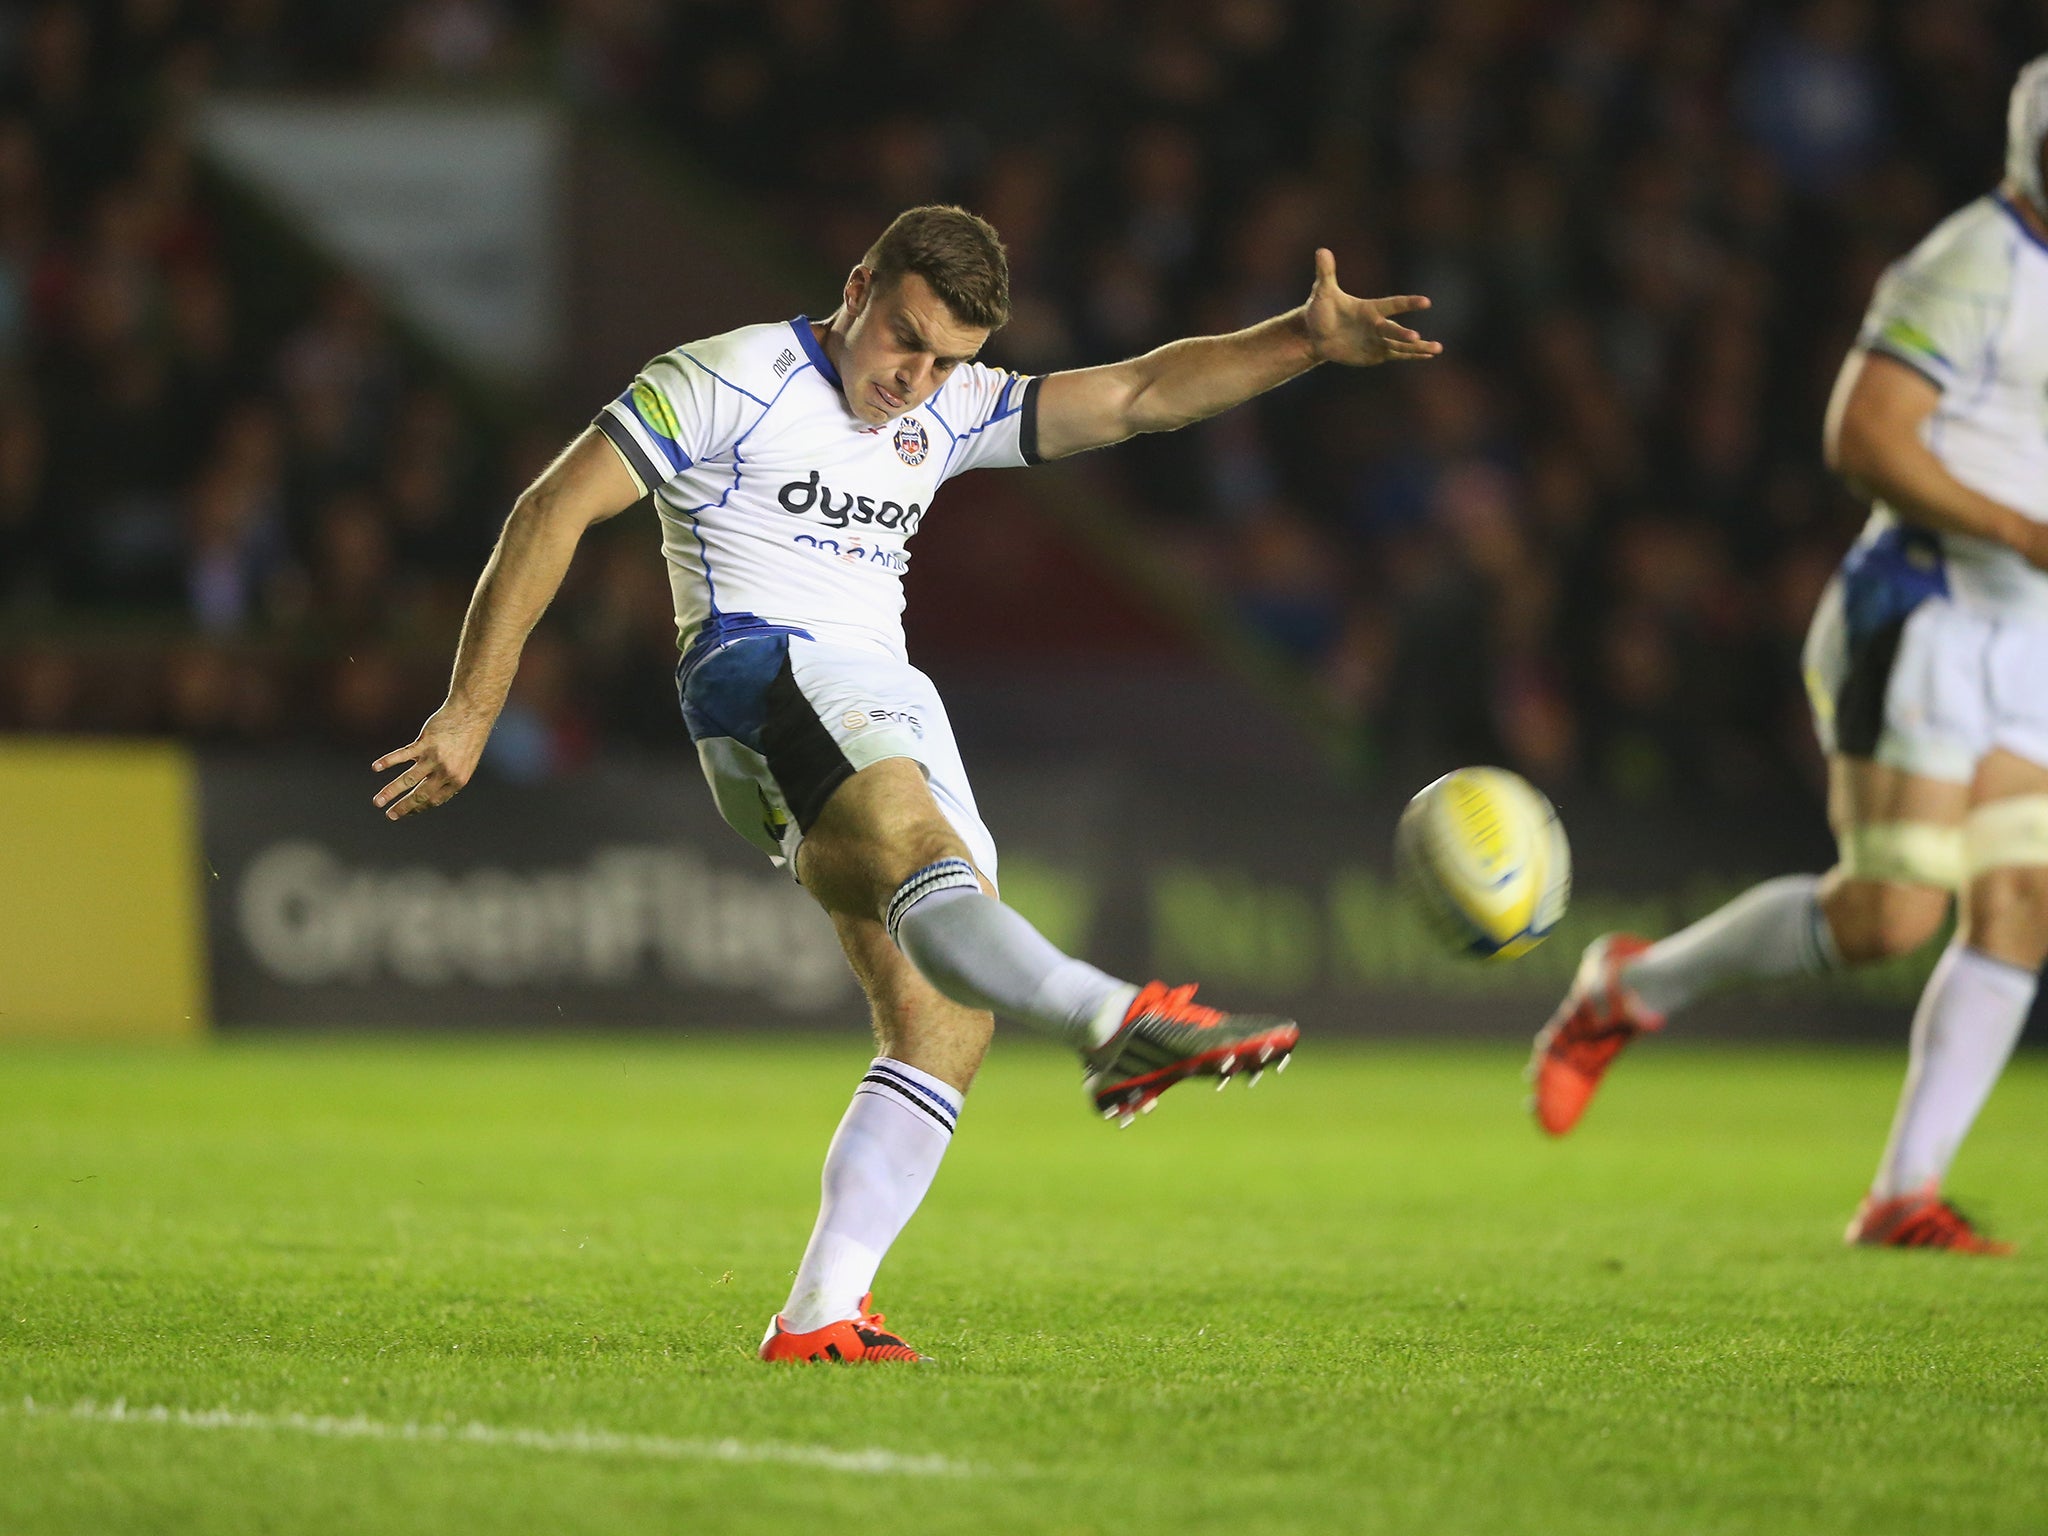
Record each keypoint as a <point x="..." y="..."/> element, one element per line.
<point x="616" y="898"/>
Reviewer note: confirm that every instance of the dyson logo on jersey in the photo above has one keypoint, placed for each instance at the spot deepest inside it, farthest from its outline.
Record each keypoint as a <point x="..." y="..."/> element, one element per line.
<point x="800" y="498"/>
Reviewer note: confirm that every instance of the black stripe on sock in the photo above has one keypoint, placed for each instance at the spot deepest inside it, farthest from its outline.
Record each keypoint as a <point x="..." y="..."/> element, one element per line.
<point x="876" y="1080"/>
<point x="914" y="1086"/>
<point x="942" y="875"/>
<point x="949" y="871"/>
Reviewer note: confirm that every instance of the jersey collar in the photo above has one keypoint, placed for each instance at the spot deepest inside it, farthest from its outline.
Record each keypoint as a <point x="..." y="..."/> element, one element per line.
<point x="1997" y="197"/>
<point x="809" y="338"/>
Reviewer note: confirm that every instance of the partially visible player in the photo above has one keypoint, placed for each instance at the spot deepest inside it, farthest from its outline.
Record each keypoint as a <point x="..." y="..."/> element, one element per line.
<point x="1927" y="664"/>
<point x="790" y="463"/>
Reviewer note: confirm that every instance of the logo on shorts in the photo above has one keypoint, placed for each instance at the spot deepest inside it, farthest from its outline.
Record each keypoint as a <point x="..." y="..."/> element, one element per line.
<point x="911" y="443"/>
<point x="861" y="719"/>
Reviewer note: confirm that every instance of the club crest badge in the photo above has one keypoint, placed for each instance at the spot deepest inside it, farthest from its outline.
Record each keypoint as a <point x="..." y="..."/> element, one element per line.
<point x="911" y="443"/>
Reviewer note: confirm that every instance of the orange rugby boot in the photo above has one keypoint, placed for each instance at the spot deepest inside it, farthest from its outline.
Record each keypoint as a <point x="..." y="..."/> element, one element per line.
<point x="1167" y="1036"/>
<point x="1597" y="1018"/>
<point x="861" y="1338"/>
<point x="1921" y="1219"/>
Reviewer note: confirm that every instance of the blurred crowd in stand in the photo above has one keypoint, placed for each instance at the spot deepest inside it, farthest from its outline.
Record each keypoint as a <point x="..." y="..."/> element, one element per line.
<point x="1585" y="542"/>
<point x="234" y="504"/>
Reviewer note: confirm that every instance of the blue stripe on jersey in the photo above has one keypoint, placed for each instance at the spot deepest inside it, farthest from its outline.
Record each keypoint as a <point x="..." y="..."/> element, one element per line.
<point x="738" y="469"/>
<point x="2014" y="214"/>
<point x="809" y="339"/>
<point x="1908" y="359"/>
<point x="997" y="415"/>
<point x="704" y="556"/>
<point x="721" y="378"/>
<point x="671" y="450"/>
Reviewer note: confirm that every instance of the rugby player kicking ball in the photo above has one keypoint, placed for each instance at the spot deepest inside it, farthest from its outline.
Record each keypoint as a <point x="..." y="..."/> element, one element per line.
<point x="790" y="463"/>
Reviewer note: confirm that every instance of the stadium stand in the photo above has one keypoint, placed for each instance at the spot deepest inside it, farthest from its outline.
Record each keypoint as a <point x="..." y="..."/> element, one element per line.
<point x="235" y="504"/>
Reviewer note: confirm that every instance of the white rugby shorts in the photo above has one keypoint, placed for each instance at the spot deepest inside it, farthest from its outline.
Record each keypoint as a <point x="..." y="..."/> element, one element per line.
<point x="1930" y="690"/>
<point x="780" y="721"/>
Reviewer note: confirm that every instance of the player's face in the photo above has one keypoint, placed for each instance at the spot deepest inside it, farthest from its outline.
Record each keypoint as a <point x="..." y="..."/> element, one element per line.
<point x="902" y="346"/>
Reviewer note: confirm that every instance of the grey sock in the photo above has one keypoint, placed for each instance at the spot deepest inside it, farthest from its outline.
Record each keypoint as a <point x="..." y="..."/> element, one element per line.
<point x="1772" y="930"/>
<point x="981" y="954"/>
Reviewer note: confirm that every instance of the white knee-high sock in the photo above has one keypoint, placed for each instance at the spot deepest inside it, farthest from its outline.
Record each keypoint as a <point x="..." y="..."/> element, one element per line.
<point x="1770" y="931"/>
<point x="1964" y="1030"/>
<point x="982" y="955"/>
<point x="882" y="1159"/>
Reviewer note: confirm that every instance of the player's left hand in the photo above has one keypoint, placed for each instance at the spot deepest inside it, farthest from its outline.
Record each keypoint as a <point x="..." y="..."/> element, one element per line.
<point x="1360" y="332"/>
<point x="442" y="758"/>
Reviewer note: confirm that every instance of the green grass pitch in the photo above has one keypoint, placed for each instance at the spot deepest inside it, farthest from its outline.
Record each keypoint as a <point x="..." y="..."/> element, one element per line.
<point x="1364" y="1297"/>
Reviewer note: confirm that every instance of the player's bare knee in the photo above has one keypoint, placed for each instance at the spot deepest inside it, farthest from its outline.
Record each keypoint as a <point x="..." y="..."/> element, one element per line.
<point x="921" y="846"/>
<point x="913" y="1022"/>
<point x="1905" y="917"/>
<point x="1875" y="920"/>
<point x="880" y="827"/>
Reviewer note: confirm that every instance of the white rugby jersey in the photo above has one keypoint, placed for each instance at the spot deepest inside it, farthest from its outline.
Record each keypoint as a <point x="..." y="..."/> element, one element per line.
<point x="1968" y="308"/>
<point x="780" y="509"/>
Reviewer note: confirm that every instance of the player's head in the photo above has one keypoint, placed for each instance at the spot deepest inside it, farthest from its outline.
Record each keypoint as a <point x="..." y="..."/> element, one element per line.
<point x="2026" y="126"/>
<point x="921" y="302"/>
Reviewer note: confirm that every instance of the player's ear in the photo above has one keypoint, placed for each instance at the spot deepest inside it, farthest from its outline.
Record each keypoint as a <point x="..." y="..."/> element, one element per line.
<point x="859" y="284"/>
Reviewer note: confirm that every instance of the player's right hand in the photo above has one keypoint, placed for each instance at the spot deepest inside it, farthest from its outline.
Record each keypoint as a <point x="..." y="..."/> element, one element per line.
<point x="442" y="758"/>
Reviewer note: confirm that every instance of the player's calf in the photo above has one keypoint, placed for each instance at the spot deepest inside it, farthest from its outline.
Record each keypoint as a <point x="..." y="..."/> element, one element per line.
<point x="2006" y="914"/>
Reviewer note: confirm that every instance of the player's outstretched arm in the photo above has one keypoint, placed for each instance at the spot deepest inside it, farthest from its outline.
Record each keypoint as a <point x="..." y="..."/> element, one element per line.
<point x="586" y="485"/>
<point x="1872" y="440"/>
<point x="1189" y="381"/>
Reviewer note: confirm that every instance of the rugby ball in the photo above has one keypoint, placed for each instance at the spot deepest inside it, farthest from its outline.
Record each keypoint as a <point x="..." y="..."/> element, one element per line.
<point x="1482" y="858"/>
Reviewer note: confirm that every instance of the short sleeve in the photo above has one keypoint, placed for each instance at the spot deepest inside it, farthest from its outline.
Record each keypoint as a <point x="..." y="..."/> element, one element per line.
<point x="676" y="413"/>
<point x="1937" y="309"/>
<point x="992" y="417"/>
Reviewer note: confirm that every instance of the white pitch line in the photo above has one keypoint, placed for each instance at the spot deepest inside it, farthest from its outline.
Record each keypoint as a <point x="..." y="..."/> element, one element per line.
<point x="571" y="1442"/>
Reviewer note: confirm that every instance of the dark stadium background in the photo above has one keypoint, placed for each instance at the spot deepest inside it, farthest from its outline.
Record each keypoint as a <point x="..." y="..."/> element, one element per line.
<point x="245" y="487"/>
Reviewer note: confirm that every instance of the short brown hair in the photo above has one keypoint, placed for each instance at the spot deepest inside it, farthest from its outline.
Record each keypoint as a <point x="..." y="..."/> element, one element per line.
<point x="958" y="253"/>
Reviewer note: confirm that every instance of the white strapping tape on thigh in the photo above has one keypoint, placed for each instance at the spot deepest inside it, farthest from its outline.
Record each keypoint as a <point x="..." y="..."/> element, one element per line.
<point x="2001" y="834"/>
<point x="1910" y="852"/>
